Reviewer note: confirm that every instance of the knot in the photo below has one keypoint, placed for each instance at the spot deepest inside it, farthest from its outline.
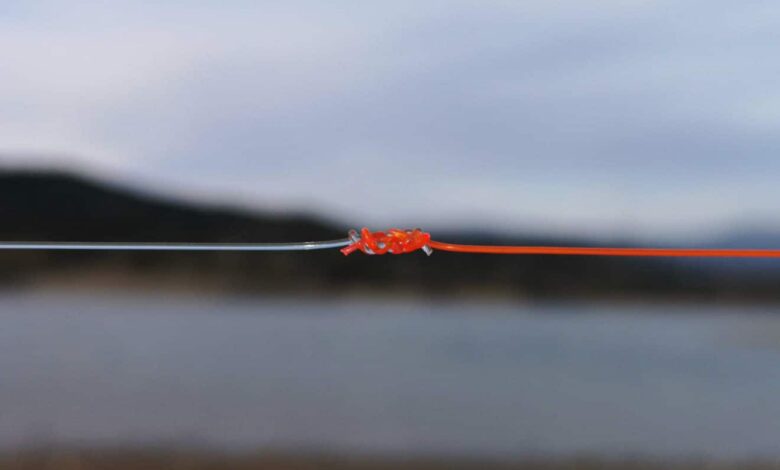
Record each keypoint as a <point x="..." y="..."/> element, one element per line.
<point x="395" y="241"/>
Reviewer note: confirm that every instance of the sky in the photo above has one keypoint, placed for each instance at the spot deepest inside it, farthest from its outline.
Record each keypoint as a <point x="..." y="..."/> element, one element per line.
<point x="596" y="118"/>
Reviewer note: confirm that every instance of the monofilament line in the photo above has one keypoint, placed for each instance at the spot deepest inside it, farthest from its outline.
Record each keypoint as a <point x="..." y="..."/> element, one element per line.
<point x="130" y="246"/>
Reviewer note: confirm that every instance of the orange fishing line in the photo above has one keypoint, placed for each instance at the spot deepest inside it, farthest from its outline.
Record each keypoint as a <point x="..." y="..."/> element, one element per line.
<point x="603" y="251"/>
<point x="397" y="241"/>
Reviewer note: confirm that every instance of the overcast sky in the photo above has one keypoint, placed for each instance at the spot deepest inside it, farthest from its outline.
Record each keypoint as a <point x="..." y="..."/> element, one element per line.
<point x="595" y="117"/>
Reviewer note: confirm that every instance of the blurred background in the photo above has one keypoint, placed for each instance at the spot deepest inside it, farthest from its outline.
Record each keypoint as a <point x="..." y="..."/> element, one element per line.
<point x="650" y="123"/>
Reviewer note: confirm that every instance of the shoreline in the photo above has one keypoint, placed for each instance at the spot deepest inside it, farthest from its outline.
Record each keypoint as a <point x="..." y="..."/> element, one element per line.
<point x="110" y="283"/>
<point x="192" y="459"/>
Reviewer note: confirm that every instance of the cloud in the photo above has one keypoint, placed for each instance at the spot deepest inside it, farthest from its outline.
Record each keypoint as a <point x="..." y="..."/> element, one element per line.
<point x="570" y="116"/>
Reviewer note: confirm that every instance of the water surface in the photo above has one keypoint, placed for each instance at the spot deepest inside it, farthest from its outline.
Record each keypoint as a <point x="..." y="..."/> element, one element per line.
<point x="376" y="377"/>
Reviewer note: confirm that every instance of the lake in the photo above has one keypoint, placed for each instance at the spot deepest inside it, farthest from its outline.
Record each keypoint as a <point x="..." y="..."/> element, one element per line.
<point x="391" y="378"/>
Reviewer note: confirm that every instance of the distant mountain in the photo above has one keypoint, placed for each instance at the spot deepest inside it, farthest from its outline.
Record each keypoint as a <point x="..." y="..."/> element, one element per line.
<point x="65" y="207"/>
<point x="754" y="237"/>
<point x="58" y="206"/>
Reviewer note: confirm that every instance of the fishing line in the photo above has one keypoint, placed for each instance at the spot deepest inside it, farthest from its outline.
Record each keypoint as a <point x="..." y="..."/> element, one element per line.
<point x="128" y="246"/>
<point x="404" y="241"/>
<point x="396" y="241"/>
